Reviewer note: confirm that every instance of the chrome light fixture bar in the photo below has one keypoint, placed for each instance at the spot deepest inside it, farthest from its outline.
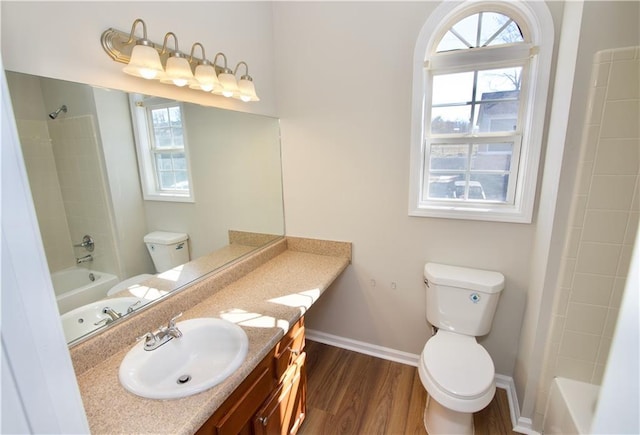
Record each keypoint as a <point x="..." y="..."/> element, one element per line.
<point x="145" y="59"/>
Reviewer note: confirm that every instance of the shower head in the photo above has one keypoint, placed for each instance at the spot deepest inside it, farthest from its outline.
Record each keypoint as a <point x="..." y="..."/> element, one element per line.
<point x="54" y="115"/>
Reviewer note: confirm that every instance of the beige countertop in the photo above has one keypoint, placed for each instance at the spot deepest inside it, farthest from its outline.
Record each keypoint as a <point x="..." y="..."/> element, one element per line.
<point x="265" y="302"/>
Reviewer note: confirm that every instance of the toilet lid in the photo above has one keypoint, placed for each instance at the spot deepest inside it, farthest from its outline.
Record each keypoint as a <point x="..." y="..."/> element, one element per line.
<point x="458" y="364"/>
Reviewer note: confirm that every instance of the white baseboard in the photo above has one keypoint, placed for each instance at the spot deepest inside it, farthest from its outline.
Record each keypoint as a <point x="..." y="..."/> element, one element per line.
<point x="365" y="348"/>
<point x="520" y="424"/>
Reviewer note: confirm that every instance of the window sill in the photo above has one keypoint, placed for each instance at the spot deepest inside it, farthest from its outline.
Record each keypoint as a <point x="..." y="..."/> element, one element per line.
<point x="489" y="213"/>
<point x="169" y="198"/>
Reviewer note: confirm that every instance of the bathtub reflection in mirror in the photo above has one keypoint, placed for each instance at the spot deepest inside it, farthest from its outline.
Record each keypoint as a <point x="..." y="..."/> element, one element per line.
<point x="84" y="176"/>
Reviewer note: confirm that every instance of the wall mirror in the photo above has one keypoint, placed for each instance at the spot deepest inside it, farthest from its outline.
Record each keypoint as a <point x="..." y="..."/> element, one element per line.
<point x="79" y="146"/>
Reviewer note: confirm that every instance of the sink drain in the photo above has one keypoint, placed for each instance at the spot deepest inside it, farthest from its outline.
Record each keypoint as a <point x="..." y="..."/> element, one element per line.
<point x="183" y="379"/>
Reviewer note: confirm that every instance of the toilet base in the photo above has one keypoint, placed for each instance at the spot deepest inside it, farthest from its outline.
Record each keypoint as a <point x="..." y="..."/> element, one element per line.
<point x="439" y="420"/>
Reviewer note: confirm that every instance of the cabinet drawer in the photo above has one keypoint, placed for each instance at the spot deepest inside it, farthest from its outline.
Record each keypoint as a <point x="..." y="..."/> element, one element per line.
<point x="289" y="348"/>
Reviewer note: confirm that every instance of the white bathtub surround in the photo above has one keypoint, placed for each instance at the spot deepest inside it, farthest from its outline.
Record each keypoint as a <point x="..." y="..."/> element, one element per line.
<point x="570" y="407"/>
<point x="602" y="231"/>
<point x="74" y="287"/>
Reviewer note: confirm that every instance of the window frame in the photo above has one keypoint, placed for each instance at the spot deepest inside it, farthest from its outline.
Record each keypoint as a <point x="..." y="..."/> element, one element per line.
<point x="537" y="26"/>
<point x="146" y="150"/>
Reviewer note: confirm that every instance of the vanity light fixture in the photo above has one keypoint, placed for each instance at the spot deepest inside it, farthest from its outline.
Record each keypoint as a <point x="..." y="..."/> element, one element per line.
<point x="144" y="61"/>
<point x="205" y="75"/>
<point x="246" y="89"/>
<point x="177" y="70"/>
<point x="153" y="61"/>
<point x="227" y="79"/>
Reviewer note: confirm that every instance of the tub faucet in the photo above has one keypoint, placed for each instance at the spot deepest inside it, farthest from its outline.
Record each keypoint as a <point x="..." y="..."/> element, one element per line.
<point x="84" y="259"/>
<point x="111" y="313"/>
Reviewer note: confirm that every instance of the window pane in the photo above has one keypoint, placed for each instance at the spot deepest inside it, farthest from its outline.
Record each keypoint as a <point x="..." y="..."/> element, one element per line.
<point x="495" y="29"/>
<point x="163" y="137"/>
<point x="167" y="180"/>
<point x="451" y="119"/>
<point x="498" y="96"/>
<point x="182" y="181"/>
<point x="493" y="32"/>
<point x="449" y="157"/>
<point x="494" y="186"/>
<point x="468" y="191"/>
<point x="491" y="157"/>
<point x="178" y="137"/>
<point x="160" y="117"/>
<point x="175" y="116"/>
<point x="452" y="88"/>
<point x="179" y="161"/>
<point x="467" y="29"/>
<point x="442" y="186"/>
<point x="450" y="42"/>
<point x="163" y="162"/>
<point x="492" y="81"/>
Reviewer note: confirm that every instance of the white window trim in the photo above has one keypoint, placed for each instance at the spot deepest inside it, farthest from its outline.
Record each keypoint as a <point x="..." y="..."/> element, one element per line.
<point x="146" y="165"/>
<point x="534" y="14"/>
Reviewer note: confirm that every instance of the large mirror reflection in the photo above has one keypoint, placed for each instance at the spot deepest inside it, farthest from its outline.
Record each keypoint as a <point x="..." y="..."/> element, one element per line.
<point x="137" y="196"/>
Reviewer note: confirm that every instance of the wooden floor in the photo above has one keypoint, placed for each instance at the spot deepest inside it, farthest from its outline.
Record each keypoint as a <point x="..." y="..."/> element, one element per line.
<point x="352" y="393"/>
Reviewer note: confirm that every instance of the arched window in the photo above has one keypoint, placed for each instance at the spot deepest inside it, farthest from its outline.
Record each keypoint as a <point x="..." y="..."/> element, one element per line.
<point x="481" y="75"/>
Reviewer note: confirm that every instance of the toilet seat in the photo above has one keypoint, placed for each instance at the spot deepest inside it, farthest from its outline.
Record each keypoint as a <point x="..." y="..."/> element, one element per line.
<point x="457" y="372"/>
<point x="458" y="364"/>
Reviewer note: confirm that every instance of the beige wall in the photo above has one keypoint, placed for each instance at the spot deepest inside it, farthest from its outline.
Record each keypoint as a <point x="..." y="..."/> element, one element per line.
<point x="345" y="98"/>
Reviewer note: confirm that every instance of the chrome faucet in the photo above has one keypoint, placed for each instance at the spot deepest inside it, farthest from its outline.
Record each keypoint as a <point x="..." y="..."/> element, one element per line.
<point x="165" y="333"/>
<point x="84" y="259"/>
<point x="111" y="313"/>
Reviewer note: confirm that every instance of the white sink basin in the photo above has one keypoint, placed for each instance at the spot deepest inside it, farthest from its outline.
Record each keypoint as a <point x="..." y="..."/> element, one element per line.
<point x="208" y="352"/>
<point x="81" y="321"/>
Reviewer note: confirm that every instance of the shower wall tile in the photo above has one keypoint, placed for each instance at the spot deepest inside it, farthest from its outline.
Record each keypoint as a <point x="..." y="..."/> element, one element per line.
<point x="620" y="119"/>
<point x="624" y="83"/>
<point x="579" y="346"/>
<point x="618" y="157"/>
<point x="632" y="228"/>
<point x="603" y="224"/>
<point x="610" y="192"/>
<point x="575" y="369"/>
<point x="45" y="190"/>
<point x="592" y="289"/>
<point x="589" y="319"/>
<point x="598" y="258"/>
<point x="83" y="185"/>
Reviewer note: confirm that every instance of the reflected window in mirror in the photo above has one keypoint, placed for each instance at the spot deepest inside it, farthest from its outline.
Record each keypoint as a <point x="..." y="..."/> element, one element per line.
<point x="162" y="147"/>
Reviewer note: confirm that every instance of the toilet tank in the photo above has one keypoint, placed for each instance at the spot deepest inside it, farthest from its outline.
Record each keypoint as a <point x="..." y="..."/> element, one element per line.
<point x="167" y="249"/>
<point x="461" y="299"/>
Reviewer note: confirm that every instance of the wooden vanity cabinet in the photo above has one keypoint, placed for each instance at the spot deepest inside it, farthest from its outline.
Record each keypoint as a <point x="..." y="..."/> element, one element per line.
<point x="272" y="399"/>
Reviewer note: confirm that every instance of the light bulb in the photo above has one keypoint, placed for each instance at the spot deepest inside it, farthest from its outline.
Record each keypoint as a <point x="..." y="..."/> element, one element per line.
<point x="144" y="62"/>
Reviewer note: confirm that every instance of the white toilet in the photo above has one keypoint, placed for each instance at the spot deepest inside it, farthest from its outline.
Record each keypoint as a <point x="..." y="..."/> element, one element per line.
<point x="456" y="371"/>
<point x="167" y="251"/>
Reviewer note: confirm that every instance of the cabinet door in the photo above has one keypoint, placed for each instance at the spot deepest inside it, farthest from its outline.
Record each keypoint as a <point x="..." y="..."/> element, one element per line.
<point x="235" y="414"/>
<point x="285" y="409"/>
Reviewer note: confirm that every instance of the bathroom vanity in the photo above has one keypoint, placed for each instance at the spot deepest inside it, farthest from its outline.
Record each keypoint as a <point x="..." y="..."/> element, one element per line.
<point x="267" y="294"/>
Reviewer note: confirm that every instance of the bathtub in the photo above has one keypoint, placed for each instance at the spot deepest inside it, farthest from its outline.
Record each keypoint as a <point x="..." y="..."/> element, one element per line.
<point x="74" y="287"/>
<point x="570" y="407"/>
